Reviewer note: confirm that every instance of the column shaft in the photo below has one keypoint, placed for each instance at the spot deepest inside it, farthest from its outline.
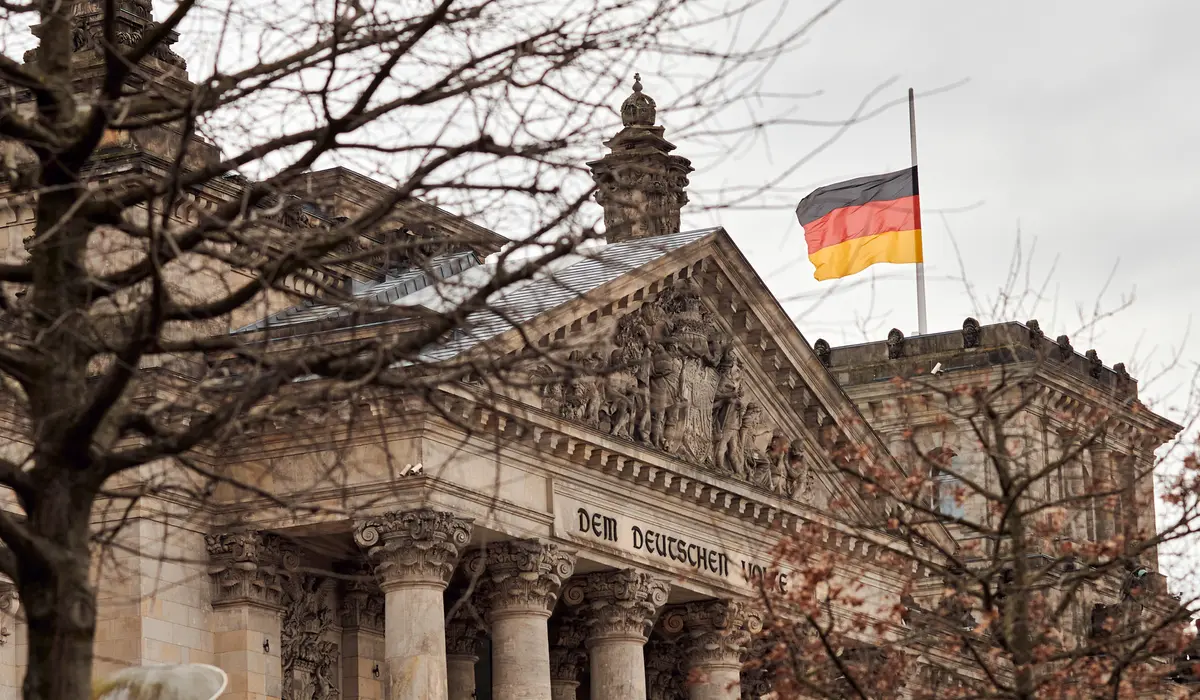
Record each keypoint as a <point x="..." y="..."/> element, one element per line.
<point x="619" y="607"/>
<point x="563" y="690"/>
<point x="520" y="586"/>
<point x="460" y="676"/>
<point x="414" y="641"/>
<point x="520" y="657"/>
<point x="719" y="683"/>
<point x="618" y="669"/>
<point x="414" y="554"/>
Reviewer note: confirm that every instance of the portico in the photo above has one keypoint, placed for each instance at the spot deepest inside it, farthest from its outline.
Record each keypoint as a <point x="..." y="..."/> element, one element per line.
<point x="437" y="594"/>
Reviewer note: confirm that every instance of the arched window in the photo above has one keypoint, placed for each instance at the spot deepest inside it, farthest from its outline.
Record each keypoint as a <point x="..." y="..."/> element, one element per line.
<point x="947" y="488"/>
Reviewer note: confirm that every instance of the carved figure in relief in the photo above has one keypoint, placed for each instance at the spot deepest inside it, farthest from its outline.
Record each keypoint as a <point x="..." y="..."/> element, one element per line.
<point x="751" y="459"/>
<point x="669" y="379"/>
<point x="727" y="414"/>
<point x="800" y="471"/>
<point x="777" y="452"/>
<point x="627" y="397"/>
<point x="583" y="394"/>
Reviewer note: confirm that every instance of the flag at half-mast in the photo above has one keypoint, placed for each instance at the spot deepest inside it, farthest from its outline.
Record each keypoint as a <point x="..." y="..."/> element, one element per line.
<point x="852" y="225"/>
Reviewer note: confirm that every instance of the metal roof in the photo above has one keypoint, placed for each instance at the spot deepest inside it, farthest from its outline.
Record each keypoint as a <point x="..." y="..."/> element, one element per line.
<point x="518" y="304"/>
<point x="448" y="280"/>
<point x="372" y="294"/>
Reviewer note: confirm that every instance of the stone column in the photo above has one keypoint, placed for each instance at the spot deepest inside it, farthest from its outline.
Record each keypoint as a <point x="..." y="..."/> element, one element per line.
<point x="519" y="588"/>
<point x="463" y="634"/>
<point x="362" y="639"/>
<point x="567" y="655"/>
<point x="715" y="637"/>
<point x="620" y="607"/>
<point x="248" y="574"/>
<point x="414" y="554"/>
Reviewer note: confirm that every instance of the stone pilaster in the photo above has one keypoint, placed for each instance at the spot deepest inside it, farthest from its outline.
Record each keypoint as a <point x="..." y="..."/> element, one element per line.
<point x="1105" y="483"/>
<point x="716" y="634"/>
<point x="10" y="662"/>
<point x="414" y="553"/>
<point x="362" y="618"/>
<point x="519" y="587"/>
<point x="464" y="632"/>
<point x="248" y="571"/>
<point x="619" y="607"/>
<point x="567" y="655"/>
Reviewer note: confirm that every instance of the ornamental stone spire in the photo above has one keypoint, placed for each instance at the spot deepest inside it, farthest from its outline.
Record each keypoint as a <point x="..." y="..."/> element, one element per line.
<point x="641" y="186"/>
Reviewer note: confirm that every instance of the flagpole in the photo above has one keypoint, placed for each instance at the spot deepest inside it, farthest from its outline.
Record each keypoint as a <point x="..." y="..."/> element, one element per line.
<point x="922" y="324"/>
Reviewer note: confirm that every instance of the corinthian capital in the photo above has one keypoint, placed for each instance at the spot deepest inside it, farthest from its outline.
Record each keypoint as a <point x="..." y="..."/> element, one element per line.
<point x="249" y="568"/>
<point x="524" y="576"/>
<point x="618" y="604"/>
<point x="417" y="547"/>
<point x="716" y="632"/>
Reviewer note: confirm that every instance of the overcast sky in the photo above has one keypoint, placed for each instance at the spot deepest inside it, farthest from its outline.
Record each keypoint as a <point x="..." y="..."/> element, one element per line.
<point x="1075" y="127"/>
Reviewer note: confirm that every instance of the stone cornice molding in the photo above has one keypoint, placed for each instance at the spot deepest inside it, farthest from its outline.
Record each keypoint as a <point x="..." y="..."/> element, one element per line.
<point x="524" y="577"/>
<point x="618" y="605"/>
<point x="523" y="426"/>
<point x="249" y="568"/>
<point x="413" y="548"/>
<point x="716" y="633"/>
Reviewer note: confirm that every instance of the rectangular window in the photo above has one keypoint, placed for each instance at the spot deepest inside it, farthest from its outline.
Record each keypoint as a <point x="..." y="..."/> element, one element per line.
<point x="946" y="491"/>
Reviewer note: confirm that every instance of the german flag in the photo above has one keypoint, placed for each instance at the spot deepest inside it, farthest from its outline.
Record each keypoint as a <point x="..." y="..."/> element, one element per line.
<point x="854" y="224"/>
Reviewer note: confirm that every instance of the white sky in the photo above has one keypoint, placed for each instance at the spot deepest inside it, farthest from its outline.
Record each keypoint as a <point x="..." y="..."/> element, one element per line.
<point x="1074" y="128"/>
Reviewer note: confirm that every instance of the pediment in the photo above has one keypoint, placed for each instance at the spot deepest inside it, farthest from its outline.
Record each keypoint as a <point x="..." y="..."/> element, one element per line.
<point x="691" y="355"/>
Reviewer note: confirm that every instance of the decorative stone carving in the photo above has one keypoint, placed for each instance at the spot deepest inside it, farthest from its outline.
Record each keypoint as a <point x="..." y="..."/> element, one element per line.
<point x="567" y="655"/>
<point x="1123" y="373"/>
<point x="1035" y="332"/>
<point x="619" y="603"/>
<point x="640" y="185"/>
<point x="791" y="473"/>
<point x="665" y="676"/>
<point x="1095" y="366"/>
<point x="414" y="547"/>
<point x="361" y="604"/>
<point x="716" y="632"/>
<point x="759" y="671"/>
<point x="464" y="631"/>
<point x="970" y="332"/>
<point x="823" y="351"/>
<point x="895" y="344"/>
<point x="671" y="381"/>
<point x="309" y="661"/>
<point x="248" y="568"/>
<point x="524" y="575"/>
<point x="639" y="108"/>
<point x="1065" y="351"/>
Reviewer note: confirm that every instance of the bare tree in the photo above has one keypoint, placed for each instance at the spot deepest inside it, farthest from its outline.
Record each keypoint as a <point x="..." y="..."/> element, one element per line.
<point x="155" y="210"/>
<point x="1014" y="530"/>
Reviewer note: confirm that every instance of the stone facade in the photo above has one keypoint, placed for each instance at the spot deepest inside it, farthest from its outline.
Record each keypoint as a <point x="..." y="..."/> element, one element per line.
<point x="609" y="522"/>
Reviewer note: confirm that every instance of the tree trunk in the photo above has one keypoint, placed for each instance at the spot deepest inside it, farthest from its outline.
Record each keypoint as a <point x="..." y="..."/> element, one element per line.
<point x="59" y="602"/>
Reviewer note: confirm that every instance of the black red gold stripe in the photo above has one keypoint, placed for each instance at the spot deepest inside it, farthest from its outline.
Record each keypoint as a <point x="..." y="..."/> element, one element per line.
<point x="852" y="225"/>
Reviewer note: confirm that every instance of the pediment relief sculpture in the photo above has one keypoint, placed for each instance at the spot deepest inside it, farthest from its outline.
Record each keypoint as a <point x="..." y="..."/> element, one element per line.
<point x="669" y="378"/>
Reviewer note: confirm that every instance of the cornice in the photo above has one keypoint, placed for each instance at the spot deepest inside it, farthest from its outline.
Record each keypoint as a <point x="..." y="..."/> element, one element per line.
<point x="625" y="462"/>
